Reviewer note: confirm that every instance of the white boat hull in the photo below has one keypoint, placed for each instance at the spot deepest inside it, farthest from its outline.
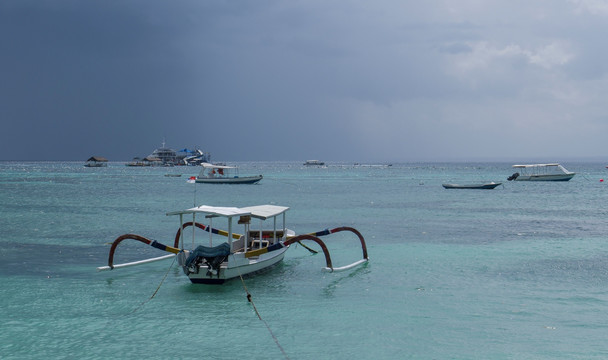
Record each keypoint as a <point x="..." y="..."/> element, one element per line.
<point x="227" y="180"/>
<point x="541" y="172"/>
<point x="237" y="265"/>
<point x="491" y="185"/>
<point x="557" y="177"/>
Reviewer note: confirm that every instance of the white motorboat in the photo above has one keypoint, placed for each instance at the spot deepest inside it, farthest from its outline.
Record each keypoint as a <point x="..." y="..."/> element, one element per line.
<point x="222" y="174"/>
<point x="240" y="254"/>
<point x="541" y="172"/>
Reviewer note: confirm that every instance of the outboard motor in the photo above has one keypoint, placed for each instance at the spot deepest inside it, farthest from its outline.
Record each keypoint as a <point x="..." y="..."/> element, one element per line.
<point x="513" y="177"/>
<point x="212" y="257"/>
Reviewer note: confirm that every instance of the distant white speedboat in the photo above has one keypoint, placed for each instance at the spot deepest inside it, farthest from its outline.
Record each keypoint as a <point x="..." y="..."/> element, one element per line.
<point x="222" y="174"/>
<point x="541" y="172"/>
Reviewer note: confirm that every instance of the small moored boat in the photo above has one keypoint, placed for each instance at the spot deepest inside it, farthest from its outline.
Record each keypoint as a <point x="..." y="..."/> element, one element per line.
<point x="485" y="186"/>
<point x="314" y="163"/>
<point x="222" y="174"/>
<point x="238" y="254"/>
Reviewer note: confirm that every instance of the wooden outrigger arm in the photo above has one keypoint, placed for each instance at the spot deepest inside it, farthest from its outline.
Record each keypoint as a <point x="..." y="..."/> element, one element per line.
<point x="315" y="237"/>
<point x="172" y="249"/>
<point x="175" y="249"/>
<point x="144" y="240"/>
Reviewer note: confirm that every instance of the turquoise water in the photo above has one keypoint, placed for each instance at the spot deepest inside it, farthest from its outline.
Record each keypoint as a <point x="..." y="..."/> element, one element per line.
<point x="518" y="272"/>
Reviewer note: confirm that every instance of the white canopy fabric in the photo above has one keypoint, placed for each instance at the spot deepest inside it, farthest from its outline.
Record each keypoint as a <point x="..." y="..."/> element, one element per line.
<point x="265" y="211"/>
<point x="211" y="166"/>
<point x="213" y="210"/>
<point x="260" y="211"/>
<point x="534" y="165"/>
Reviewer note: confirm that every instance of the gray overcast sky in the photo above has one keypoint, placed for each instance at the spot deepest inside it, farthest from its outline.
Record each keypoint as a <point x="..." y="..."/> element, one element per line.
<point x="436" y="80"/>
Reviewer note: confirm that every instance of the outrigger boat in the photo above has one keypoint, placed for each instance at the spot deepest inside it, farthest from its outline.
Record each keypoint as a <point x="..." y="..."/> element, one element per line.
<point x="485" y="186"/>
<point x="222" y="174"/>
<point x="239" y="254"/>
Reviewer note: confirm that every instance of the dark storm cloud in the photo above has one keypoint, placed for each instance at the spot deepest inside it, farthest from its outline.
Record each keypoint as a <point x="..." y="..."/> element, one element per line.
<point x="88" y="77"/>
<point x="333" y="80"/>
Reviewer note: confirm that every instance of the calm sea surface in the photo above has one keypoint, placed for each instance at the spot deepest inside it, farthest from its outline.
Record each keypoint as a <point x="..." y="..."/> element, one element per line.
<point x="518" y="272"/>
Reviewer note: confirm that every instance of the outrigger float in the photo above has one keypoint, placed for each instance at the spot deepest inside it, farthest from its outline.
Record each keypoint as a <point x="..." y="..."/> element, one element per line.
<point x="241" y="254"/>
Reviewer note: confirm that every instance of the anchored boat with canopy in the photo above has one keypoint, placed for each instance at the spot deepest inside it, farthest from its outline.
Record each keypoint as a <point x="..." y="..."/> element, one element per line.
<point x="541" y="172"/>
<point x="222" y="174"/>
<point x="237" y="254"/>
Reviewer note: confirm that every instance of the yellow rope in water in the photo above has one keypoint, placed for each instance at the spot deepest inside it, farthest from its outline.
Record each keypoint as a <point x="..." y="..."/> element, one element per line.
<point x="158" y="288"/>
<point x="260" y="317"/>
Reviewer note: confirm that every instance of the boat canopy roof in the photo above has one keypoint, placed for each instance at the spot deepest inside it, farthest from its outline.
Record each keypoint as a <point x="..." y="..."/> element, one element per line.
<point x="260" y="211"/>
<point x="212" y="166"/>
<point x="535" y="165"/>
<point x="266" y="211"/>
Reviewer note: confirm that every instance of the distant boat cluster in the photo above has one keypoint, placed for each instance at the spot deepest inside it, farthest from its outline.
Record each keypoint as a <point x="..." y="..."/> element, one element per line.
<point x="163" y="156"/>
<point x="221" y="174"/>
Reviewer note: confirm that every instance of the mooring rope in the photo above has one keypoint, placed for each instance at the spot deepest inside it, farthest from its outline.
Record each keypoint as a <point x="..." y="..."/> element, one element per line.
<point x="260" y="316"/>
<point x="158" y="288"/>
